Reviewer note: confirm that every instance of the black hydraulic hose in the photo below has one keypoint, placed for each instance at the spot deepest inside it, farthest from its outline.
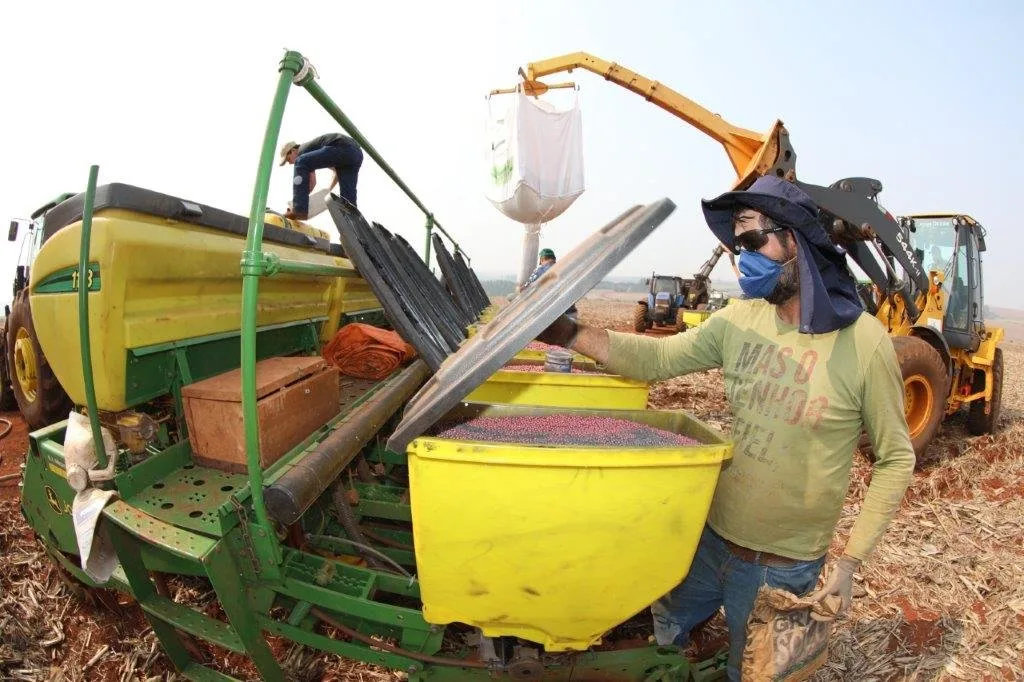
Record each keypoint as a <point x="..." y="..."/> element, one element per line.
<point x="368" y="548"/>
<point x="380" y="644"/>
<point x="386" y="540"/>
<point x="351" y="525"/>
<point x="363" y="471"/>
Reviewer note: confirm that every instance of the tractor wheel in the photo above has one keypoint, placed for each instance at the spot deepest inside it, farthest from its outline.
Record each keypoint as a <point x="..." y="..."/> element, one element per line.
<point x="925" y="387"/>
<point x="680" y="322"/>
<point x="40" y="397"/>
<point x="7" y="401"/>
<point x="640" y="318"/>
<point x="977" y="421"/>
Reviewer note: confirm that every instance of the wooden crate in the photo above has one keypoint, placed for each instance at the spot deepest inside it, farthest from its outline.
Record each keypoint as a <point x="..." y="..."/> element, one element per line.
<point x="294" y="397"/>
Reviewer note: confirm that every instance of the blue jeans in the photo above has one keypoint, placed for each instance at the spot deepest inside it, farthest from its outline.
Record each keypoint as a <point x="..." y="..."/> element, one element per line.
<point x="718" y="577"/>
<point x="345" y="159"/>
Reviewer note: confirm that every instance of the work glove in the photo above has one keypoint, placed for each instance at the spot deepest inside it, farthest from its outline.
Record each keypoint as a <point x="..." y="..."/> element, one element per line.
<point x="839" y="584"/>
<point x="561" y="332"/>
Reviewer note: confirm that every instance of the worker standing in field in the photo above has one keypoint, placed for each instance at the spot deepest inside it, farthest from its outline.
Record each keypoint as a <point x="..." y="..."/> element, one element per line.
<point x="333" y="150"/>
<point x="546" y="260"/>
<point x="806" y="370"/>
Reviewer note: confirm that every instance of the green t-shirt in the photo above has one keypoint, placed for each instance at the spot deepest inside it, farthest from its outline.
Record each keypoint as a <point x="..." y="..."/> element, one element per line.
<point x="799" y="403"/>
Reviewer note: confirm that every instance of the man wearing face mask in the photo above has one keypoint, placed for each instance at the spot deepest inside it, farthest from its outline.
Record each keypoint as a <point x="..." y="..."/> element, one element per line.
<point x="806" y="370"/>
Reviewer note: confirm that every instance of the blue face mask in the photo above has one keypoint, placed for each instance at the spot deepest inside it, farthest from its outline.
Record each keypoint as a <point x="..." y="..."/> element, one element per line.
<point x="759" y="274"/>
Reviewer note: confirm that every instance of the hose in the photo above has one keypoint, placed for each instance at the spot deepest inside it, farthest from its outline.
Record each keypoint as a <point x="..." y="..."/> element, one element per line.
<point x="8" y="424"/>
<point x="351" y="526"/>
<point x="363" y="471"/>
<point x="369" y="550"/>
<point x="387" y="542"/>
<point x="379" y="644"/>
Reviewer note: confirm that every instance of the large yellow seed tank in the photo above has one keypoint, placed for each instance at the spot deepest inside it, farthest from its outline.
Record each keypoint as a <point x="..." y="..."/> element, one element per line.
<point x="156" y="279"/>
<point x="588" y="388"/>
<point x="557" y="544"/>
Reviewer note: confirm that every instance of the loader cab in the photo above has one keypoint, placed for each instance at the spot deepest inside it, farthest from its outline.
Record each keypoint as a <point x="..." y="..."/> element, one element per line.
<point x="952" y="244"/>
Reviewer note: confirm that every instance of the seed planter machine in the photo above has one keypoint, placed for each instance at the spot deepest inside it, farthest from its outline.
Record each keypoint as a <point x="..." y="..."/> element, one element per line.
<point x="366" y="533"/>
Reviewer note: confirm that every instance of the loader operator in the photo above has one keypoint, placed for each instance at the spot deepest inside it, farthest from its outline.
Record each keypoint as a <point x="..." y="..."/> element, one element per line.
<point x="332" y="150"/>
<point x="805" y="370"/>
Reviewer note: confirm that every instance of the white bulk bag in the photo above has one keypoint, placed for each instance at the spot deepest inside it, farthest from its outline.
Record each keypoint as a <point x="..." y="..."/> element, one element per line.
<point x="536" y="159"/>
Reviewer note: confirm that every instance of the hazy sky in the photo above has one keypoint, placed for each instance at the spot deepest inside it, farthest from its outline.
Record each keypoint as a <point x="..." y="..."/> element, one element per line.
<point x="925" y="96"/>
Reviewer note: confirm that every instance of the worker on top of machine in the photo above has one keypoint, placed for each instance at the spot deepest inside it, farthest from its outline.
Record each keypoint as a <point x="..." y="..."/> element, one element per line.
<point x="806" y="369"/>
<point x="546" y="259"/>
<point x="333" y="150"/>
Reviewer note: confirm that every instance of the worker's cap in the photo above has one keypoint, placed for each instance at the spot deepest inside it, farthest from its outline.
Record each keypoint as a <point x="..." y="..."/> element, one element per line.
<point x="780" y="200"/>
<point x="285" y="148"/>
<point x="547" y="253"/>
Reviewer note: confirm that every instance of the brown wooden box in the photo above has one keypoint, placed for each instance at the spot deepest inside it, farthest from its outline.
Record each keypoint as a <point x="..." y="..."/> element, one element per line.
<point x="294" y="397"/>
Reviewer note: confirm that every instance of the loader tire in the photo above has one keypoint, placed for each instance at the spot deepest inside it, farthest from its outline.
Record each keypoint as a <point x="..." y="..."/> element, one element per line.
<point x="40" y="397"/>
<point x="977" y="421"/>
<point x="640" y="318"/>
<point x="925" y="388"/>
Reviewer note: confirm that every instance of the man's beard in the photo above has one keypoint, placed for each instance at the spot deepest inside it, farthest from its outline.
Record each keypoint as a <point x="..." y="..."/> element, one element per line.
<point x="788" y="285"/>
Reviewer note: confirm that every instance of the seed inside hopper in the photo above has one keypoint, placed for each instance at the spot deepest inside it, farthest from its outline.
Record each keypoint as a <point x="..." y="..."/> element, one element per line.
<point x="537" y="367"/>
<point x="565" y="429"/>
<point x="538" y="345"/>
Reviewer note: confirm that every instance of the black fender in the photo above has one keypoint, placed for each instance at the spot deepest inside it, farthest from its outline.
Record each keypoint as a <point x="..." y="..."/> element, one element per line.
<point x="936" y="340"/>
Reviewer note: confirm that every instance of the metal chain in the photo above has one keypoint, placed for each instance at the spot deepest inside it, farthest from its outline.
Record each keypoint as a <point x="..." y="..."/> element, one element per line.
<point x="243" y="522"/>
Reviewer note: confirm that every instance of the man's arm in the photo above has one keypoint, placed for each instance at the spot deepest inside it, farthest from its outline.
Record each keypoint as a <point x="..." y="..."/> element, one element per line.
<point x="334" y="181"/>
<point x="882" y="414"/>
<point x="886" y="426"/>
<point x="638" y="357"/>
<point x="592" y="342"/>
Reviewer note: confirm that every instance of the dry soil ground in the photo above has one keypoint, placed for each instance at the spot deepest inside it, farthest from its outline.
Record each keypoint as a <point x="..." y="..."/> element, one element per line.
<point x="942" y="599"/>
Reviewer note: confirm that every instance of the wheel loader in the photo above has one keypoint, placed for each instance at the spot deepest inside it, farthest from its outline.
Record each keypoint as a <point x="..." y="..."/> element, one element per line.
<point x="209" y="441"/>
<point x="949" y="356"/>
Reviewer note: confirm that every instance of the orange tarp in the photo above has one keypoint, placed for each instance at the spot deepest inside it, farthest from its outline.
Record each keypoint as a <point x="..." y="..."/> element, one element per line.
<point x="367" y="352"/>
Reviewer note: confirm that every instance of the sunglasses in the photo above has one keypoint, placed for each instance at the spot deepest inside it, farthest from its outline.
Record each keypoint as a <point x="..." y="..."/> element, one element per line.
<point x="753" y="240"/>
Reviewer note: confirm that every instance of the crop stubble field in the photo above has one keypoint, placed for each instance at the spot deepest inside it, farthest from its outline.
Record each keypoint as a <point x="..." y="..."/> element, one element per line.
<point x="941" y="599"/>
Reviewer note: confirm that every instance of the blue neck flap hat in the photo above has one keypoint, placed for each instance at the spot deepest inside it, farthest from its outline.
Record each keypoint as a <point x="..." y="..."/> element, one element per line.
<point x="828" y="291"/>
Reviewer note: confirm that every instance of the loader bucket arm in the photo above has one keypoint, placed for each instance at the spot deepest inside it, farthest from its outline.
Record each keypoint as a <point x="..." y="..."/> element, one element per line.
<point x="853" y="216"/>
<point x="705" y="270"/>
<point x="751" y="154"/>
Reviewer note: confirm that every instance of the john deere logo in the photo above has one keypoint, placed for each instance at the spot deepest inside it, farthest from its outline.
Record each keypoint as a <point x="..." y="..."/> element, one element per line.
<point x="55" y="502"/>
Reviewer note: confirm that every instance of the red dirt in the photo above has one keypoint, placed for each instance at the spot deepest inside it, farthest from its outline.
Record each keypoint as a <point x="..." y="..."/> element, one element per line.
<point x="12" y="454"/>
<point x="920" y="629"/>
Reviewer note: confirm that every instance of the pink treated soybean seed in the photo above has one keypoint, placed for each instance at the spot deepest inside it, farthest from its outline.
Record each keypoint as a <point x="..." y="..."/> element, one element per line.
<point x="532" y="367"/>
<point x="565" y="429"/>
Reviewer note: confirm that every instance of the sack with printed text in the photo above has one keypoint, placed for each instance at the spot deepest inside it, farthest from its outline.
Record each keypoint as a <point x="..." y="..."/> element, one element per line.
<point x="787" y="637"/>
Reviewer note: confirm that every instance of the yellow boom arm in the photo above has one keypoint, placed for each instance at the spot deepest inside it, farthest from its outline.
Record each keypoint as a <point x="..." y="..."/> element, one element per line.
<point x="751" y="154"/>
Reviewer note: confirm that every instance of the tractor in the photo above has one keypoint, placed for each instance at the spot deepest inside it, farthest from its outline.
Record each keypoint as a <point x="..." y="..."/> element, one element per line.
<point x="665" y="299"/>
<point x="26" y="379"/>
<point x="677" y="302"/>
